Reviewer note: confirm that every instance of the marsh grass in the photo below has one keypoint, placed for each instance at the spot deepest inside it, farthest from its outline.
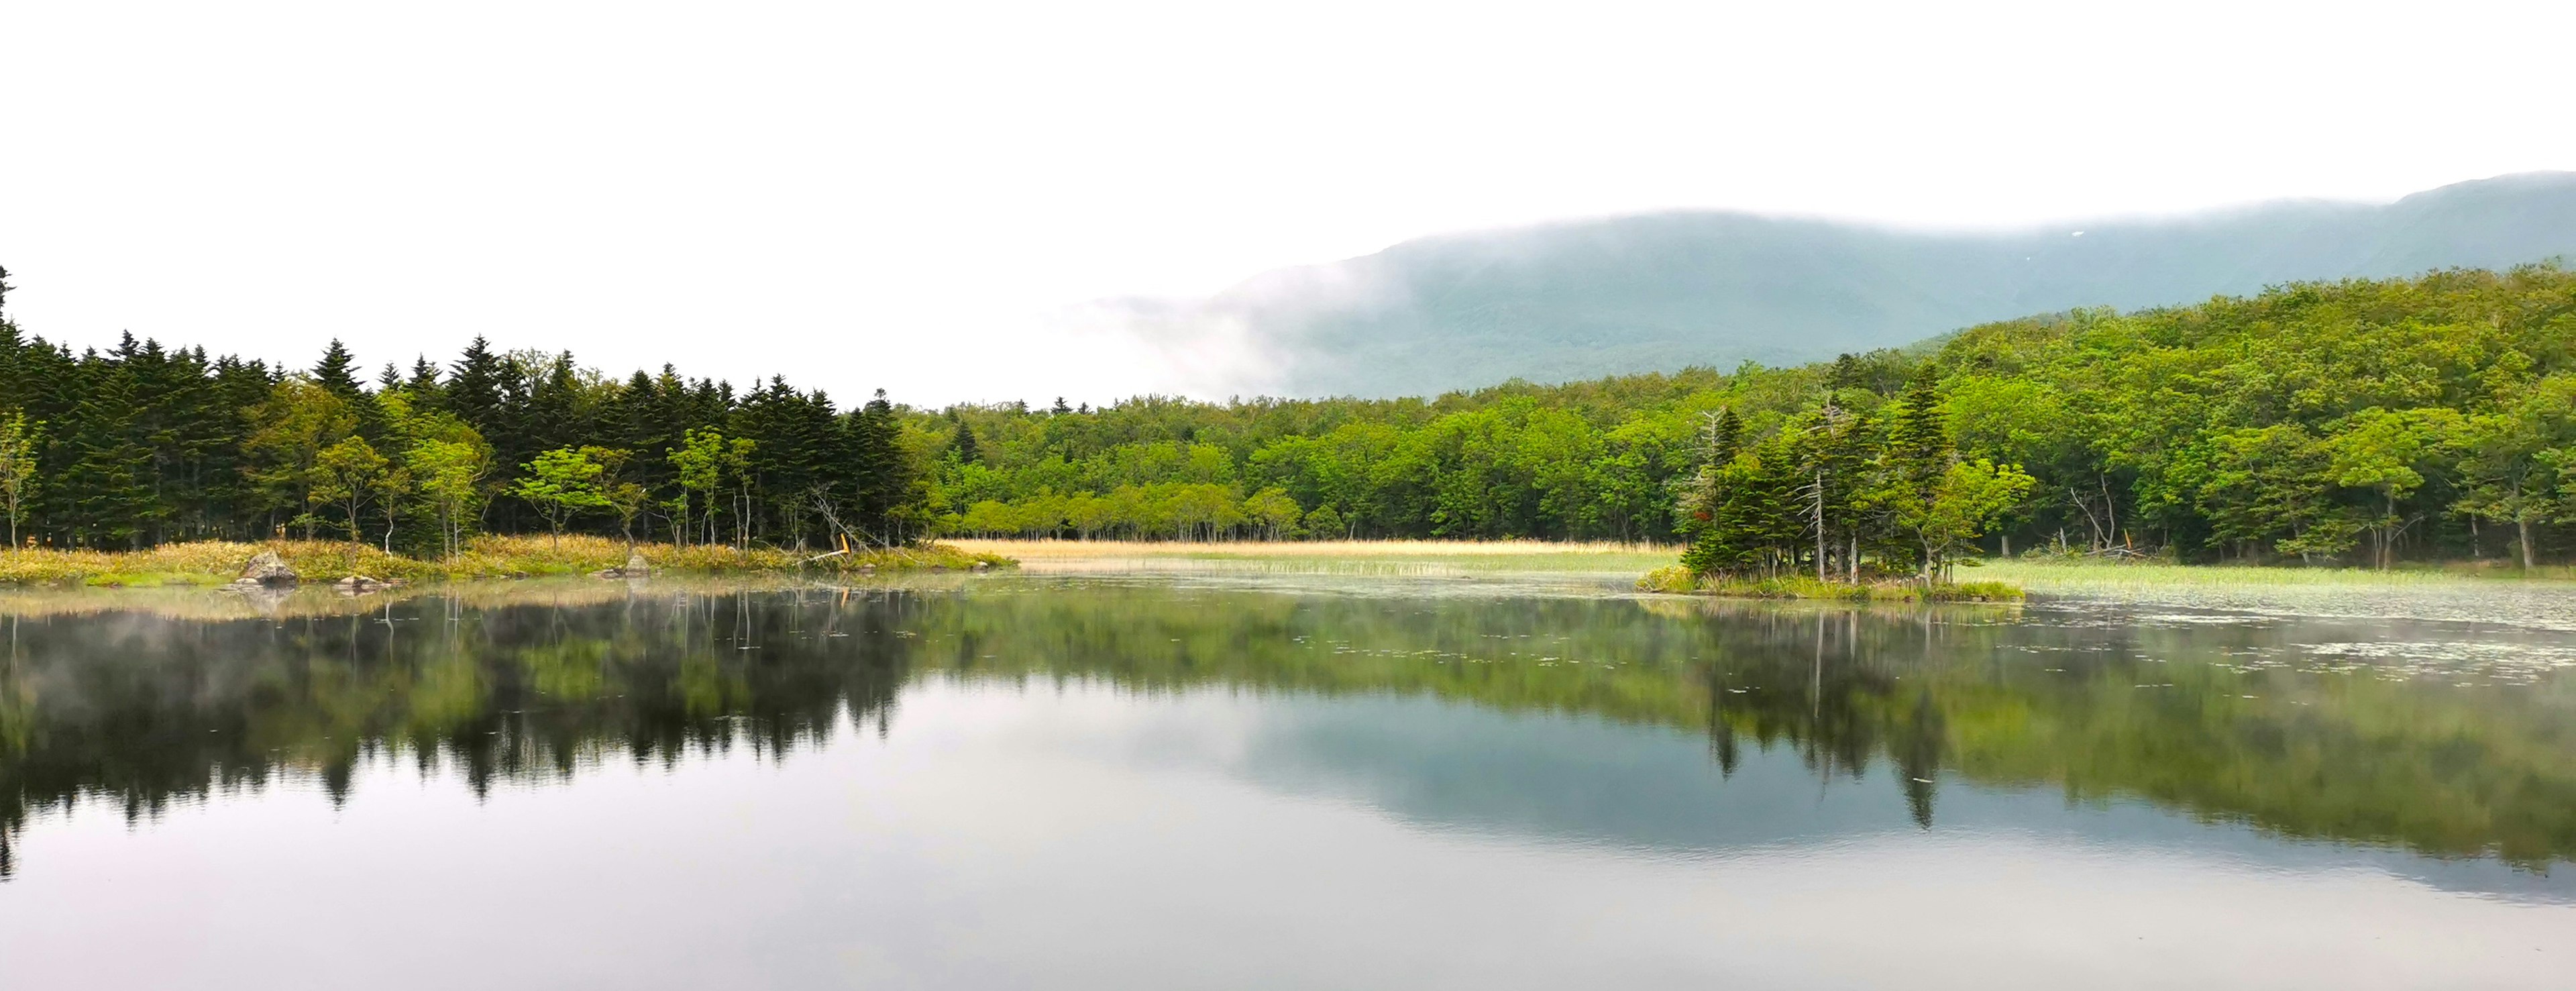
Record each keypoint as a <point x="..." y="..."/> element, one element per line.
<point x="1677" y="580"/>
<point x="206" y="563"/>
<point x="211" y="562"/>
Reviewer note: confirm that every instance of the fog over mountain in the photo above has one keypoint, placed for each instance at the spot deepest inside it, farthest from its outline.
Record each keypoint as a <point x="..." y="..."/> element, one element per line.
<point x="1587" y="298"/>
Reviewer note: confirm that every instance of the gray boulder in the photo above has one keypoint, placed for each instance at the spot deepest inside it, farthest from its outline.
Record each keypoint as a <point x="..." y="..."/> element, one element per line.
<point x="635" y="567"/>
<point x="266" y="568"/>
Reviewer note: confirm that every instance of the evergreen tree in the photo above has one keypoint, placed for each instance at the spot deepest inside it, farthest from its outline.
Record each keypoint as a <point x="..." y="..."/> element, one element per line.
<point x="882" y="476"/>
<point x="106" y="493"/>
<point x="427" y="393"/>
<point x="474" y="389"/>
<point x="337" y="371"/>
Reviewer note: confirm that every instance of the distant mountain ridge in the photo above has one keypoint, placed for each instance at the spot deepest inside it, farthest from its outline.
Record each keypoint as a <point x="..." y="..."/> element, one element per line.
<point x="1662" y="291"/>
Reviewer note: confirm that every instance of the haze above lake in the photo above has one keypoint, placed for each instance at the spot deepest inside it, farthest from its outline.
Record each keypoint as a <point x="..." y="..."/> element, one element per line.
<point x="1247" y="779"/>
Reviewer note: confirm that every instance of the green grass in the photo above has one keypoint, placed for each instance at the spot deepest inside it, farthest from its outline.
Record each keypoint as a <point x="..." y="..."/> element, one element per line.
<point x="1677" y="580"/>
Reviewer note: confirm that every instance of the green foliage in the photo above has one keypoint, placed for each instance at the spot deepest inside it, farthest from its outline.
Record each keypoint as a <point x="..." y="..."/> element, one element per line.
<point x="2359" y="421"/>
<point x="449" y="474"/>
<point x="291" y="429"/>
<point x="144" y="446"/>
<point x="564" y="481"/>
<point x="19" y="440"/>
<point x="2319" y="422"/>
<point x="348" y="473"/>
<point x="2353" y="422"/>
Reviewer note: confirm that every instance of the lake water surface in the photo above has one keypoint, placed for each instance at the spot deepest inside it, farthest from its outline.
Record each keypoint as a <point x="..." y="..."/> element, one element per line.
<point x="1143" y="781"/>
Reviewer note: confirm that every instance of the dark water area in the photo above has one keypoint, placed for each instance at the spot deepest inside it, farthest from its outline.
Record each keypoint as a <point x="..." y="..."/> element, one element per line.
<point x="1083" y="782"/>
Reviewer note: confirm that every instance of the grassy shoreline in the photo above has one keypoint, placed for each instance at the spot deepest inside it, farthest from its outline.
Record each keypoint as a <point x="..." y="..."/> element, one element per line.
<point x="1355" y="557"/>
<point x="2035" y="573"/>
<point x="1677" y="580"/>
<point x="212" y="563"/>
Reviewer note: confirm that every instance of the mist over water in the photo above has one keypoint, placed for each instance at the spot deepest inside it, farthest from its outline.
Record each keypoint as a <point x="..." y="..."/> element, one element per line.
<point x="1147" y="781"/>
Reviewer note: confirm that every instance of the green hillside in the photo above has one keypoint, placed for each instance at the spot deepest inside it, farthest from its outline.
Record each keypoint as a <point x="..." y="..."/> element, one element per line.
<point x="1658" y="292"/>
<point x="2360" y="421"/>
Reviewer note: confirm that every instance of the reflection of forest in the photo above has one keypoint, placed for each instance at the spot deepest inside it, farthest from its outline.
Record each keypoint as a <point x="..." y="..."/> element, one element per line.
<point x="136" y="709"/>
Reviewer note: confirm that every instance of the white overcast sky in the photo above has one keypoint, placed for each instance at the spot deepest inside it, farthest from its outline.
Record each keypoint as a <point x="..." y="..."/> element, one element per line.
<point x="921" y="196"/>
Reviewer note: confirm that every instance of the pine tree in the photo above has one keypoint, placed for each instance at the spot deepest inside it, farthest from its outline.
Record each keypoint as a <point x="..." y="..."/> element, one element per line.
<point x="105" y="490"/>
<point x="474" y="390"/>
<point x="883" y="479"/>
<point x="1918" y="438"/>
<point x="427" y="395"/>
<point x="337" y="371"/>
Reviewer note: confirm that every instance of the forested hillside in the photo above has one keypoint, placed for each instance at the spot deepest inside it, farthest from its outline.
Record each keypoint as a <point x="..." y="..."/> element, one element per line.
<point x="1583" y="299"/>
<point x="2426" y="417"/>
<point x="2356" y="422"/>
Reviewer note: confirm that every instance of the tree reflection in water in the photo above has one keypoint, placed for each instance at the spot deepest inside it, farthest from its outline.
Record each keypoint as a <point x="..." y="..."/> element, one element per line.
<point x="2241" y="722"/>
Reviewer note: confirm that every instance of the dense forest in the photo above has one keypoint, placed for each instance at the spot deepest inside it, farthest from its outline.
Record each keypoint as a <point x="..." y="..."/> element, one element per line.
<point x="2362" y="422"/>
<point x="141" y="445"/>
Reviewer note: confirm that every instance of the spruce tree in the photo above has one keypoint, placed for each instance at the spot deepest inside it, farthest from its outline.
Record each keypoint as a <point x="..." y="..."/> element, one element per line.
<point x="883" y="481"/>
<point x="426" y="393"/>
<point x="105" y="489"/>
<point x="474" y="390"/>
<point x="338" y="372"/>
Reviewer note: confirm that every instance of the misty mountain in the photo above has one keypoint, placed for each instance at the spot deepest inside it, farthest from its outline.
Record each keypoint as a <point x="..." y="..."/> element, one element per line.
<point x="1661" y="291"/>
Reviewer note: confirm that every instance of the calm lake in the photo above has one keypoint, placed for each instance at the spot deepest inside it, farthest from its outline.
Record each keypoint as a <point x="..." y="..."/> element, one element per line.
<point x="1176" y="781"/>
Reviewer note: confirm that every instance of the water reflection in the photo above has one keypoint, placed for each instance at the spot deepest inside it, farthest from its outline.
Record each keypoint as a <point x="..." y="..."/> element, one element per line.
<point x="2445" y="742"/>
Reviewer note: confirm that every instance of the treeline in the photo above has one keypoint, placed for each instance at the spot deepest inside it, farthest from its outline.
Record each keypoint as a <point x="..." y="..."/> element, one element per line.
<point x="2361" y="422"/>
<point x="141" y="445"/>
<point x="2357" y="422"/>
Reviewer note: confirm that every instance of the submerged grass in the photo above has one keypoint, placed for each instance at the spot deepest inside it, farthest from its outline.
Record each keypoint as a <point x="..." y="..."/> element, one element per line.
<point x="1678" y="580"/>
<point x="216" y="562"/>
